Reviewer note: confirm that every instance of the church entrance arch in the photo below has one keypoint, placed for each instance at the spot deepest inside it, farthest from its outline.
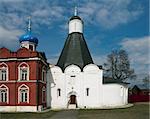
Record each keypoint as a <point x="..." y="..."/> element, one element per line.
<point x="72" y="99"/>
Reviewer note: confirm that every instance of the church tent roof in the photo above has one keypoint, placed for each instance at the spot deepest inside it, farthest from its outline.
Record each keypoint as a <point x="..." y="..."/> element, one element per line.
<point x="75" y="52"/>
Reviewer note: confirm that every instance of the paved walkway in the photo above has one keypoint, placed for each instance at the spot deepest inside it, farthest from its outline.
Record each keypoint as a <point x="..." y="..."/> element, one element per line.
<point x="66" y="114"/>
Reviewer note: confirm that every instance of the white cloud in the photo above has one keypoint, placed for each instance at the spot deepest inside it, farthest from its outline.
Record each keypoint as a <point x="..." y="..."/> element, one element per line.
<point x="99" y="59"/>
<point x="11" y="0"/>
<point x="139" y="48"/>
<point x="110" y="13"/>
<point x="9" y="38"/>
<point x="107" y="13"/>
<point x="14" y="14"/>
<point x="139" y="54"/>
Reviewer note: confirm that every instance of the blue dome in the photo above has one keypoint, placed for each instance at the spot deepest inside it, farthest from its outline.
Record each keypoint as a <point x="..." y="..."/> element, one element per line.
<point x="28" y="37"/>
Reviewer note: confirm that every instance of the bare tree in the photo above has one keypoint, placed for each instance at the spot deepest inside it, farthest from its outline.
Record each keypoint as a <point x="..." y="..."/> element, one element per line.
<point x="118" y="66"/>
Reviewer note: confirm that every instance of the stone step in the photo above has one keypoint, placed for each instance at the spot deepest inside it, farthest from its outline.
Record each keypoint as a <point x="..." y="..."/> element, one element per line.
<point x="72" y="106"/>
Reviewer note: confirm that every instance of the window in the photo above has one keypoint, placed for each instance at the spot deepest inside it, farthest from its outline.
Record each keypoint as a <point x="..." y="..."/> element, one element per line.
<point x="23" y="95"/>
<point x="43" y="75"/>
<point x="43" y="94"/>
<point x="58" y="92"/>
<point x="3" y="72"/>
<point x="3" y="93"/>
<point x="31" y="47"/>
<point x="87" y="91"/>
<point x="23" y="72"/>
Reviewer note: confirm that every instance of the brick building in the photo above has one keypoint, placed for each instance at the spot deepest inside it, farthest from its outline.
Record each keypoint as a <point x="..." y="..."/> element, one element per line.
<point x="23" y="76"/>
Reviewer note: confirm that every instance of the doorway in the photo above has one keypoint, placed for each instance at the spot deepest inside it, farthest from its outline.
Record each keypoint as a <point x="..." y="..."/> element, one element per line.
<point x="72" y="103"/>
<point x="72" y="99"/>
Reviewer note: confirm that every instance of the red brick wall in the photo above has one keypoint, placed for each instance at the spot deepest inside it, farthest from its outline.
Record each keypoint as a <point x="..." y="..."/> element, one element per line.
<point x="35" y="75"/>
<point x="13" y="93"/>
<point x="139" y="98"/>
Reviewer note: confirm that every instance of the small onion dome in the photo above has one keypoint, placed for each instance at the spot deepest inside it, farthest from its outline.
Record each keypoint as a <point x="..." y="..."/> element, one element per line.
<point x="28" y="37"/>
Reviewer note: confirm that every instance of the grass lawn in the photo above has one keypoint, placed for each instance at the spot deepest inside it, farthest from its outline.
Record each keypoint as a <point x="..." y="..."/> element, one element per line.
<point x="138" y="111"/>
<point x="27" y="115"/>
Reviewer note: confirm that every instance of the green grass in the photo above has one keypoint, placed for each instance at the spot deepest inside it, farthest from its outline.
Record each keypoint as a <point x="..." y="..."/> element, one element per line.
<point x="138" y="111"/>
<point x="27" y="115"/>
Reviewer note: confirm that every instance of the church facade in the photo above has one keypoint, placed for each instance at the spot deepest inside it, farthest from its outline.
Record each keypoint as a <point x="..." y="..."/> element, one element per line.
<point x="29" y="83"/>
<point x="76" y="82"/>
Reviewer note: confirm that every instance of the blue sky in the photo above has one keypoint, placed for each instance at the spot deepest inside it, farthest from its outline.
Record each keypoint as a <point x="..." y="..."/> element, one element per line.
<point x="108" y="25"/>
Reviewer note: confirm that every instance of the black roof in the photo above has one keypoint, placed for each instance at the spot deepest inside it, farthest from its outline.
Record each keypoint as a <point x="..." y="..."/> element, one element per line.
<point x="136" y="88"/>
<point x="75" y="51"/>
<point x="108" y="80"/>
<point x="75" y="17"/>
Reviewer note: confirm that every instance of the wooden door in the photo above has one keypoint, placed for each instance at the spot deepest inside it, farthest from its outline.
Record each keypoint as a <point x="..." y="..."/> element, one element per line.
<point x="72" y="99"/>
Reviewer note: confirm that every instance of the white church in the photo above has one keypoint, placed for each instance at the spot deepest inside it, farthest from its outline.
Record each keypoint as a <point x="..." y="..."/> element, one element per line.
<point x="76" y="82"/>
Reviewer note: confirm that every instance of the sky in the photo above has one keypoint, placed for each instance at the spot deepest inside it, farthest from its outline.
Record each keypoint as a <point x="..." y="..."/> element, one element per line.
<point x="108" y="25"/>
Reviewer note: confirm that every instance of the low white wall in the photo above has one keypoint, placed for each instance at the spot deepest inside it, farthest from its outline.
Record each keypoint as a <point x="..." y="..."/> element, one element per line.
<point x="114" y="95"/>
<point x="20" y="108"/>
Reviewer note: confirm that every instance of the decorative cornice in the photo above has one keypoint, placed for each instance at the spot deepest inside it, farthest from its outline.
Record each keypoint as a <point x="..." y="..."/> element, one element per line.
<point x="23" y="59"/>
<point x="28" y="81"/>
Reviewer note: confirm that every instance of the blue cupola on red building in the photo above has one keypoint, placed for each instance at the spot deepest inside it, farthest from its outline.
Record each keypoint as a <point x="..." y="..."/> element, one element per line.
<point x="28" y="40"/>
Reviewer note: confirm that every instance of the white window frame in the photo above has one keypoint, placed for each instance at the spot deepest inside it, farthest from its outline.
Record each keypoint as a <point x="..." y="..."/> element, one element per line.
<point x="43" y="90"/>
<point x="21" y="68"/>
<point x="44" y="74"/>
<point x="4" y="68"/>
<point x="7" y="93"/>
<point x="25" y="87"/>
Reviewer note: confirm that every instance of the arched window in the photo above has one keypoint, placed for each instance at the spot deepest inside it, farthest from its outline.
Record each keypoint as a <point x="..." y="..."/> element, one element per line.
<point x="31" y="47"/>
<point x="43" y="94"/>
<point x="23" y="71"/>
<point x="43" y="74"/>
<point x="58" y="92"/>
<point x="3" y="72"/>
<point x="23" y="94"/>
<point x="3" y="94"/>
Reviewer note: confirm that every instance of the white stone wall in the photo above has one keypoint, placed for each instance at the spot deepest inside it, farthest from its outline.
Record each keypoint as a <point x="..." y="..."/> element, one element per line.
<point x="115" y="95"/>
<point x="58" y="82"/>
<point x="73" y="81"/>
<point x="20" y="108"/>
<point x="92" y="80"/>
